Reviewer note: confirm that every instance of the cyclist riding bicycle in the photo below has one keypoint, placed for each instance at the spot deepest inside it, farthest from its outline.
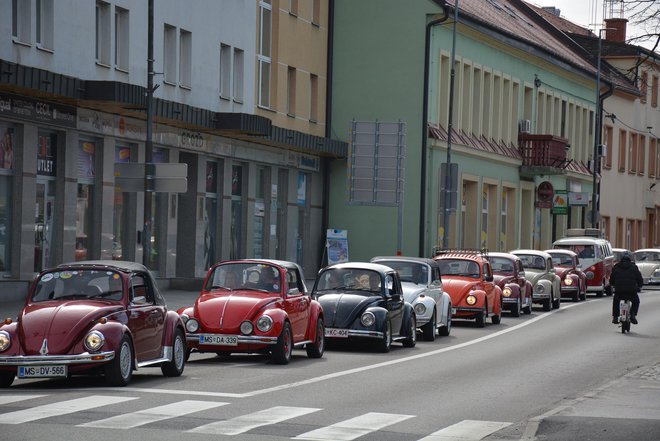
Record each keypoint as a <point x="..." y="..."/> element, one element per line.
<point x="627" y="282"/>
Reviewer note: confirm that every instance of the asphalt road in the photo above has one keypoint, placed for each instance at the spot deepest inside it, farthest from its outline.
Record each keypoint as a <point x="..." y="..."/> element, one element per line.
<point x="564" y="375"/>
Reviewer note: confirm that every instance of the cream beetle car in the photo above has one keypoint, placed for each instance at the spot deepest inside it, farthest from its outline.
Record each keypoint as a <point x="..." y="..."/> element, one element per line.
<point x="540" y="271"/>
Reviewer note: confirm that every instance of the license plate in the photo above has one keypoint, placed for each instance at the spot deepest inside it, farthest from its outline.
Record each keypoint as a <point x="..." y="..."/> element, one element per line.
<point x="453" y="310"/>
<point x="338" y="333"/>
<point x="217" y="339"/>
<point x="42" y="371"/>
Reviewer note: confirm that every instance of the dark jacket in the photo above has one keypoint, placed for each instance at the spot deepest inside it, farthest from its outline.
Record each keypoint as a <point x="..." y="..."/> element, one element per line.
<point x="626" y="278"/>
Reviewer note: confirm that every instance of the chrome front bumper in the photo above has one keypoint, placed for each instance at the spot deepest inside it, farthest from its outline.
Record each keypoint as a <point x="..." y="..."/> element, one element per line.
<point x="34" y="360"/>
<point x="242" y="339"/>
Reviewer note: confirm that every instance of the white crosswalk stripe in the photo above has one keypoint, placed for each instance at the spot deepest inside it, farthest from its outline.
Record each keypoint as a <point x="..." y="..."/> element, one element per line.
<point x="466" y="430"/>
<point x="354" y="427"/>
<point x="6" y="399"/>
<point x="60" y="408"/>
<point x="251" y="421"/>
<point x="142" y="417"/>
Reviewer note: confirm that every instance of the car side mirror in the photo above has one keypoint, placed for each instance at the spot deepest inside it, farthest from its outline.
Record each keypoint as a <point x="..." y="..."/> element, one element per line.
<point x="139" y="300"/>
<point x="396" y="297"/>
<point x="437" y="283"/>
<point x="488" y="278"/>
<point x="293" y="292"/>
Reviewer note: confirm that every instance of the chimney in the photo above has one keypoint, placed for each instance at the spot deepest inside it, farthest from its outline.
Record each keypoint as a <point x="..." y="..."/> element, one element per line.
<point x="552" y="10"/>
<point x="618" y="32"/>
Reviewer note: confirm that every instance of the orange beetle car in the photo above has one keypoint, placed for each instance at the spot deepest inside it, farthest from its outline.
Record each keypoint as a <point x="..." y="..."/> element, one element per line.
<point x="468" y="279"/>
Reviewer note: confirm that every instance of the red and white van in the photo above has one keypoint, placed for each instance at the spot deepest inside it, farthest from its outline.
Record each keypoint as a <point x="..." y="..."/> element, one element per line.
<point x="595" y="254"/>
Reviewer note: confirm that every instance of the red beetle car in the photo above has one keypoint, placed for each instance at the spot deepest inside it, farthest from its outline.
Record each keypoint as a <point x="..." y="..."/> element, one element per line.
<point x="255" y="306"/>
<point x="568" y="268"/>
<point x="89" y="316"/>
<point x="468" y="279"/>
<point x="510" y="277"/>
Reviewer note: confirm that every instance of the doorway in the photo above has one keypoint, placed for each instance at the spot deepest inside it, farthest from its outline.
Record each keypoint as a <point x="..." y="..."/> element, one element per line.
<point x="43" y="224"/>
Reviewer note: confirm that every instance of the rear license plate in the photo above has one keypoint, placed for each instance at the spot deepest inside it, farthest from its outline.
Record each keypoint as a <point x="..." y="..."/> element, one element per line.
<point x="42" y="371"/>
<point x="217" y="339"/>
<point x="337" y="333"/>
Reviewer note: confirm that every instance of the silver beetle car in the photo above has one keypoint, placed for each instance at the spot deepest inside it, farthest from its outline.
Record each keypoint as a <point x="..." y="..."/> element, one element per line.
<point x="648" y="262"/>
<point x="422" y="288"/>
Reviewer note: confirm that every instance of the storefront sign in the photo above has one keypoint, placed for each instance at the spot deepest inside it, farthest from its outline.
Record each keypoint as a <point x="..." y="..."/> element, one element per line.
<point x="30" y="109"/>
<point x="46" y="155"/>
<point x="544" y="195"/>
<point x="560" y="202"/>
<point x="578" y="199"/>
<point x="114" y="125"/>
<point x="307" y="162"/>
<point x="337" y="246"/>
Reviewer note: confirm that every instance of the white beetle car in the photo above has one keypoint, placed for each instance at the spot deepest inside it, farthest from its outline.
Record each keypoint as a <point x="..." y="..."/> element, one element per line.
<point x="648" y="262"/>
<point x="540" y="271"/>
<point x="422" y="288"/>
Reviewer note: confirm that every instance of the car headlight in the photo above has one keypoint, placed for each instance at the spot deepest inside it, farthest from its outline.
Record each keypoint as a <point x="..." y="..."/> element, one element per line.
<point x="656" y="272"/>
<point x="568" y="281"/>
<point x="420" y="309"/>
<point x="247" y="327"/>
<point x="539" y="289"/>
<point x="471" y="299"/>
<point x="5" y="341"/>
<point x="192" y="325"/>
<point x="368" y="319"/>
<point x="506" y="292"/>
<point x="264" y="323"/>
<point x="94" y="341"/>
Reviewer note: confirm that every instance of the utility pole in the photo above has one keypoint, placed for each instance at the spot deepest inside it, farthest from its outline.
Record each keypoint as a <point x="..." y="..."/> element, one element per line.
<point x="149" y="148"/>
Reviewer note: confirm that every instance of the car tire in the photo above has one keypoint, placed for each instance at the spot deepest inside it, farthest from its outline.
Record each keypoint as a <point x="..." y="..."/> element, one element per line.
<point x="411" y="340"/>
<point x="174" y="367"/>
<point x="547" y="304"/>
<point x="446" y="330"/>
<point x="517" y="308"/>
<point x="282" y="352"/>
<point x="317" y="347"/>
<point x="187" y="353"/>
<point x="385" y="343"/>
<point x="120" y="370"/>
<point x="528" y="309"/>
<point x="497" y="318"/>
<point x="556" y="303"/>
<point x="428" y="330"/>
<point x="576" y="296"/>
<point x="6" y="379"/>
<point x="481" y="318"/>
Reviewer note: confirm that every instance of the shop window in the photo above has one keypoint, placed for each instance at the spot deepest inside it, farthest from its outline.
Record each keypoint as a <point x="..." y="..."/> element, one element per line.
<point x="6" y="200"/>
<point x="236" y="234"/>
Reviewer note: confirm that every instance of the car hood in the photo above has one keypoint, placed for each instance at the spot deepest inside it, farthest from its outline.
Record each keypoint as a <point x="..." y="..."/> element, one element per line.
<point x="61" y="323"/>
<point x="647" y="268"/>
<point x="502" y="279"/>
<point x="411" y="291"/>
<point x="341" y="309"/>
<point x="562" y="271"/>
<point x="226" y="311"/>
<point x="459" y="287"/>
<point x="534" y="275"/>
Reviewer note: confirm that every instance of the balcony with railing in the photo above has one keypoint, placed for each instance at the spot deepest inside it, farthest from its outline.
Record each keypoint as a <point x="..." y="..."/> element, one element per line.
<point x="543" y="154"/>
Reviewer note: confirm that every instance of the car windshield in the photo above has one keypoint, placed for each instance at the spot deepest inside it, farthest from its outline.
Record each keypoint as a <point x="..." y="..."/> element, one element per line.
<point x="501" y="265"/>
<point x="459" y="267"/>
<point x="413" y="272"/>
<point x="583" y="251"/>
<point x="244" y="275"/>
<point x="561" y="259"/>
<point x="646" y="256"/>
<point x="78" y="284"/>
<point x="352" y="279"/>
<point x="532" y="261"/>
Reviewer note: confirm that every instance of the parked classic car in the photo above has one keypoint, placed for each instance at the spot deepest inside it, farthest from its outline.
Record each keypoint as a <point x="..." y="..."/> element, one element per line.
<point x="422" y="288"/>
<point x="468" y="278"/>
<point x="365" y="301"/>
<point x="568" y="268"/>
<point x="618" y="253"/>
<point x="255" y="305"/>
<point x="509" y="275"/>
<point x="105" y="316"/>
<point x="540" y="271"/>
<point x="648" y="262"/>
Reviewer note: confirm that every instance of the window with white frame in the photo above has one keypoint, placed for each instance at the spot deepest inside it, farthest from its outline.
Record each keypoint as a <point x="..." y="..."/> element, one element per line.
<point x="239" y="57"/>
<point x="169" y="54"/>
<point x="291" y="91"/>
<point x="313" y="97"/>
<point x="20" y="21"/>
<point x="103" y="33"/>
<point x="121" y="38"/>
<point x="185" y="58"/>
<point x="44" y="10"/>
<point x="225" y="71"/>
<point x="265" y="22"/>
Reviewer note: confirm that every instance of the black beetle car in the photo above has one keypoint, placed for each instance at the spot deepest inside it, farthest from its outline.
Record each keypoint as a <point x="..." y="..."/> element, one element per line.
<point x="365" y="300"/>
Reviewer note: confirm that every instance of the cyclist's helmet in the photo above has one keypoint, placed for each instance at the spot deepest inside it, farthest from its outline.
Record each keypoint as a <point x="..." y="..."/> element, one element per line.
<point x="626" y="255"/>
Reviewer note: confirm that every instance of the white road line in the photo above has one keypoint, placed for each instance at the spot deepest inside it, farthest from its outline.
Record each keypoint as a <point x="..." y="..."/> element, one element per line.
<point x="6" y="399"/>
<point x="142" y="417"/>
<point x="242" y="424"/>
<point x="466" y="430"/>
<point x="355" y="427"/>
<point x="60" y="408"/>
<point x="170" y="392"/>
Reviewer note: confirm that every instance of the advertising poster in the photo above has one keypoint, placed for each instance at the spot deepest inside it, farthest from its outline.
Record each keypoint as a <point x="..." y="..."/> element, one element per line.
<point x="337" y="246"/>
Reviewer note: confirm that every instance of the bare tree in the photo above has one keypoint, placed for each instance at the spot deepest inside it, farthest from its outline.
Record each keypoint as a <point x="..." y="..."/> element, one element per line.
<point x="644" y="15"/>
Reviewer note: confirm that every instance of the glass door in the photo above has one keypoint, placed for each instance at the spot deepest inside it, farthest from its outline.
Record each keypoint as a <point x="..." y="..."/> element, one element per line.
<point x="43" y="224"/>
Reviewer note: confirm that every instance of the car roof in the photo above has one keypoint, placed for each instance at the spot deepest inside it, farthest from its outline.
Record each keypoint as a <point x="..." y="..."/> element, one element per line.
<point x="406" y="259"/>
<point x="579" y="241"/>
<point x="477" y="256"/>
<point x="647" y="250"/>
<point x="507" y="255"/>
<point x="362" y="265"/>
<point x="561" y="251"/>
<point x="121" y="265"/>
<point x="532" y="252"/>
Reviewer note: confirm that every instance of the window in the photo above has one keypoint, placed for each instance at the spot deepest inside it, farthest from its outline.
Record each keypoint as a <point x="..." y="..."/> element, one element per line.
<point x="316" y="12"/>
<point x="641" y="154"/>
<point x="654" y="92"/>
<point x="185" y="59"/>
<point x="169" y="54"/>
<point x="632" y="153"/>
<point x="503" y="213"/>
<point x="44" y="9"/>
<point x="20" y="21"/>
<point x="293" y="7"/>
<point x="103" y="33"/>
<point x="607" y="142"/>
<point x="85" y="202"/>
<point x="121" y="38"/>
<point x="265" y="11"/>
<point x="652" y="157"/>
<point x="225" y="70"/>
<point x="623" y="137"/>
<point x="6" y="195"/>
<point x="236" y="227"/>
<point x="643" y="86"/>
<point x="291" y="92"/>
<point x="313" y="98"/>
<point x="239" y="57"/>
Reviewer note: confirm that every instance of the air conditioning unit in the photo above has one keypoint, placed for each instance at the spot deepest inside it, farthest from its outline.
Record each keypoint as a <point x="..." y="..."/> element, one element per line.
<point x="525" y="126"/>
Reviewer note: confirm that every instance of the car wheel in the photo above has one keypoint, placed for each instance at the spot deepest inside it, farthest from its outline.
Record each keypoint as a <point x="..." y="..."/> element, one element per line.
<point x="497" y="318"/>
<point x="120" y="370"/>
<point x="174" y="367"/>
<point x="576" y="296"/>
<point x="6" y="378"/>
<point x="517" y="308"/>
<point x="282" y="351"/>
<point x="528" y="309"/>
<point x="556" y="303"/>
<point x="481" y="318"/>
<point x="428" y="330"/>
<point x="445" y="330"/>
<point x="187" y="353"/>
<point x="547" y="304"/>
<point x="411" y="341"/>
<point x="386" y="342"/>
<point x="316" y="348"/>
